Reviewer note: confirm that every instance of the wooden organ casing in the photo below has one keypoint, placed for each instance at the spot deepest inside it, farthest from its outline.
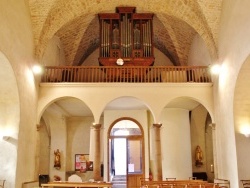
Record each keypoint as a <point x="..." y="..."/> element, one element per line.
<point x="126" y="35"/>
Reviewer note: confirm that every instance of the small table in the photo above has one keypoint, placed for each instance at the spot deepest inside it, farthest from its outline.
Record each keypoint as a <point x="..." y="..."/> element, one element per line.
<point x="77" y="184"/>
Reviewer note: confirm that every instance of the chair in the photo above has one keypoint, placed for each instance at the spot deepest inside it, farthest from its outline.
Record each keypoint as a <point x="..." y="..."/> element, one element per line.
<point x="144" y="183"/>
<point x="170" y="179"/>
<point x="192" y="178"/>
<point x="222" y="183"/>
<point x="169" y="185"/>
<point x="245" y="183"/>
<point x="74" y="178"/>
<point x="2" y="183"/>
<point x="178" y="185"/>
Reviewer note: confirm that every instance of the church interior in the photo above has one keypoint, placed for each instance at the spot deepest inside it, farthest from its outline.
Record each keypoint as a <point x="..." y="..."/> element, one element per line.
<point x="130" y="94"/>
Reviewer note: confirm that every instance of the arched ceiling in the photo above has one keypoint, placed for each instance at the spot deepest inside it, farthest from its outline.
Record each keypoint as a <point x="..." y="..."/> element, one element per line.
<point x="76" y="23"/>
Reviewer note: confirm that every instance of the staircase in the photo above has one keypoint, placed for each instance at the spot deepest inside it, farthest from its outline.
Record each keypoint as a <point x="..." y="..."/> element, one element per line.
<point x="119" y="181"/>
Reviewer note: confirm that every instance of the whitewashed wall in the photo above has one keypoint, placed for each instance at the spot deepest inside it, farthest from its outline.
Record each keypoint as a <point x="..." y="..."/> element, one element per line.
<point x="176" y="144"/>
<point x="18" y="46"/>
<point x="233" y="49"/>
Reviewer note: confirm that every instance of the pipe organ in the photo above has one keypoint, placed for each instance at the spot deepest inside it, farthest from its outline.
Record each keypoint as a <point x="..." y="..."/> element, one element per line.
<point x="126" y="35"/>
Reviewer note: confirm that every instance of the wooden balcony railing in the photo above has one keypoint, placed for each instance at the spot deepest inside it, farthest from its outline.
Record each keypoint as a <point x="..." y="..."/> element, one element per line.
<point x="131" y="74"/>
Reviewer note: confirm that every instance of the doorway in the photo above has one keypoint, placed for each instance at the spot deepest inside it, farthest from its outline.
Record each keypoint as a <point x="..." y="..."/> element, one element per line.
<point x="126" y="159"/>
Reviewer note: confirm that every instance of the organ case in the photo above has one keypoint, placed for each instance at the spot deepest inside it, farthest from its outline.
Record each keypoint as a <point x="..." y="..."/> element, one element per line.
<point x="126" y="35"/>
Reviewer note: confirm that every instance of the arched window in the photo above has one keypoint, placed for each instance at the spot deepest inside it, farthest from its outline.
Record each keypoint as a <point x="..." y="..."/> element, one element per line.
<point x="125" y="128"/>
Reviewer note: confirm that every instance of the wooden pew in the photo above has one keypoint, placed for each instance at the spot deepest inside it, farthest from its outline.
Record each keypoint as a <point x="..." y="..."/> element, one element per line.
<point x="2" y="183"/>
<point x="177" y="184"/>
<point x="222" y="183"/>
<point x="77" y="184"/>
<point x="245" y="183"/>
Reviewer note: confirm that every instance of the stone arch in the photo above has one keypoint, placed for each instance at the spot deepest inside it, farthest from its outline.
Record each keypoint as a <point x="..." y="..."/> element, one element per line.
<point x="187" y="102"/>
<point x="184" y="121"/>
<point x="51" y="101"/>
<point x="131" y="103"/>
<point x="242" y="118"/>
<point x="125" y="118"/>
<point x="9" y="120"/>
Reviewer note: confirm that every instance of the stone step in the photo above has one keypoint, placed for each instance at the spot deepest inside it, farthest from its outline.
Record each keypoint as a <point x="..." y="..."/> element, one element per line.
<point x="119" y="178"/>
<point x="119" y="186"/>
<point x="119" y="182"/>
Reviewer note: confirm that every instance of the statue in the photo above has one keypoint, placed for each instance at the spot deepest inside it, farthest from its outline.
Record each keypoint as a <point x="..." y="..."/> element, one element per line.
<point x="198" y="157"/>
<point x="57" y="161"/>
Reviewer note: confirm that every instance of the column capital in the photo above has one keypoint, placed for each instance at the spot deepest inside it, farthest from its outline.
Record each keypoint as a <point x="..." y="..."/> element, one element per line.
<point x="96" y="126"/>
<point x="157" y="125"/>
<point x="38" y="126"/>
<point x="212" y="125"/>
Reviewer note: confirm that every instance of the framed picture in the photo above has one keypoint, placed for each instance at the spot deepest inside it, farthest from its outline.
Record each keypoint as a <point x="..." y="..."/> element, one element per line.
<point x="82" y="163"/>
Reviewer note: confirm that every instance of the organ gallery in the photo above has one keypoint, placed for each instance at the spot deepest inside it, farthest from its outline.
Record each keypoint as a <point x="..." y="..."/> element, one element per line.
<point x="126" y="36"/>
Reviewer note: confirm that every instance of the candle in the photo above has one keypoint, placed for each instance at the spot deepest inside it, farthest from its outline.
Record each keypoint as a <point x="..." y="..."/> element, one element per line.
<point x="212" y="168"/>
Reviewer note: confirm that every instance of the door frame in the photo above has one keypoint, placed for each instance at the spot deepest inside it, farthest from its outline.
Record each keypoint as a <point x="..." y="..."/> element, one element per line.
<point x="132" y="137"/>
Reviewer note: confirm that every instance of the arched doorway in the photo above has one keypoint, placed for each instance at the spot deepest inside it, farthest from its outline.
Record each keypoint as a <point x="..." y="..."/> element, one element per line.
<point x="126" y="153"/>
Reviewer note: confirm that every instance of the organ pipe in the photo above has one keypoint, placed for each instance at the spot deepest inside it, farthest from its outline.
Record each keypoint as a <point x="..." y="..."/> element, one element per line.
<point x="126" y="34"/>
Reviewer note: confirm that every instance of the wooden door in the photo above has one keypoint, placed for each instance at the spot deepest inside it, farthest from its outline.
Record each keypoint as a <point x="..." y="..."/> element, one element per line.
<point x="135" y="162"/>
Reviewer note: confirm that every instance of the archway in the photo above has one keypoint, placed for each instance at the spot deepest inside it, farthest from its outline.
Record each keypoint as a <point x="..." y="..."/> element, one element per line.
<point x="126" y="152"/>
<point x="9" y="121"/>
<point x="186" y="125"/>
<point x="242" y="119"/>
<point x="65" y="125"/>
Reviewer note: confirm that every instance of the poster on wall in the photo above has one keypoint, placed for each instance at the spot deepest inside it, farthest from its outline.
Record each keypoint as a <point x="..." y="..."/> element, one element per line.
<point x="82" y="163"/>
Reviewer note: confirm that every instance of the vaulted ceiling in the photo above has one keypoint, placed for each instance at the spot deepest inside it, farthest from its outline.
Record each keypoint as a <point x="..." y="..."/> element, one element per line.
<point x="76" y="24"/>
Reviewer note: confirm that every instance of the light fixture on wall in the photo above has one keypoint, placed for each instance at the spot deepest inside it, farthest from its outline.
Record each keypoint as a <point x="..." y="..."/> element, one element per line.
<point x="247" y="134"/>
<point x="37" y="69"/>
<point x="245" y="130"/>
<point x="212" y="168"/>
<point x="215" y="69"/>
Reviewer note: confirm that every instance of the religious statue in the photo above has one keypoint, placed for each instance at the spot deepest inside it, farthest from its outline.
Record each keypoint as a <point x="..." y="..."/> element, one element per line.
<point x="57" y="161"/>
<point x="198" y="157"/>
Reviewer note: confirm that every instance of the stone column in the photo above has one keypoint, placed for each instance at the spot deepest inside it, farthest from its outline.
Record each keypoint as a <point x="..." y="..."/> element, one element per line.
<point x="37" y="158"/>
<point x="212" y="125"/>
<point x="157" y="170"/>
<point x="96" y="152"/>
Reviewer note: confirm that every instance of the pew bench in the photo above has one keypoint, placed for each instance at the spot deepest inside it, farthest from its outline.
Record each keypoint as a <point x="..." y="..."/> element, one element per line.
<point x="77" y="184"/>
<point x="2" y="183"/>
<point x="222" y="183"/>
<point x="245" y="183"/>
<point x="178" y="184"/>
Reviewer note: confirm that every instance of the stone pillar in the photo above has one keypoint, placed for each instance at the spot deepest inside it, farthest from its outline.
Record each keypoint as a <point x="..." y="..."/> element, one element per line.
<point x="96" y="152"/>
<point x="157" y="170"/>
<point x="212" y="125"/>
<point x="37" y="158"/>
